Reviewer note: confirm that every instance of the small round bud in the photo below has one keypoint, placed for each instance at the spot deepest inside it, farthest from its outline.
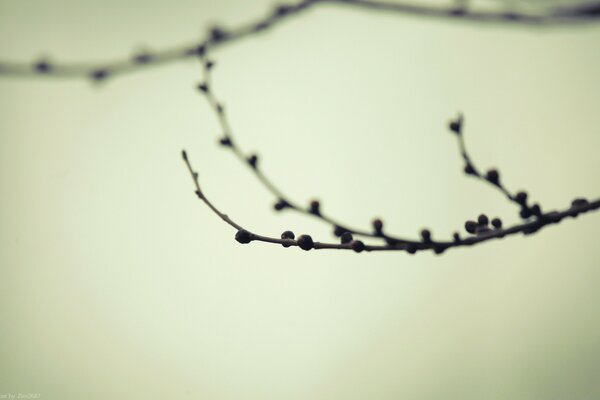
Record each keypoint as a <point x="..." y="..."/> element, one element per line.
<point x="243" y="236"/>
<point x="315" y="207"/>
<point x="471" y="226"/>
<point x="346" y="237"/>
<point x="426" y="235"/>
<point x="217" y="34"/>
<point x="305" y="242"/>
<point x="42" y="66"/>
<point x="280" y="205"/>
<point x="253" y="160"/>
<point x="470" y="170"/>
<point x="411" y="248"/>
<point x="357" y="246"/>
<point x="456" y="125"/>
<point x="521" y="198"/>
<point x="378" y="226"/>
<point x="579" y="202"/>
<point x="497" y="223"/>
<point x="525" y="213"/>
<point x="287" y="235"/>
<point x="536" y="210"/>
<point x="456" y="237"/>
<point x="198" y="50"/>
<point x="203" y="87"/>
<point x="209" y="64"/>
<point x="339" y="231"/>
<point x="225" y="141"/>
<point x="483" y="220"/>
<point x="99" y="74"/>
<point x="493" y="176"/>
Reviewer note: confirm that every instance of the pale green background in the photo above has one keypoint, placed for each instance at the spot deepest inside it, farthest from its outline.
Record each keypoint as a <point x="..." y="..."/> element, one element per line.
<point x="117" y="283"/>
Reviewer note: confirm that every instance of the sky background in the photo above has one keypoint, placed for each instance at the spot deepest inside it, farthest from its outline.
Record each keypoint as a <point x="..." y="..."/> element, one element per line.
<point x="116" y="282"/>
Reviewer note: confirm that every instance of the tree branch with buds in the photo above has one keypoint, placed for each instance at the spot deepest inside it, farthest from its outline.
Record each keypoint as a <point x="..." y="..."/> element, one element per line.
<point x="219" y="36"/>
<point x="480" y="230"/>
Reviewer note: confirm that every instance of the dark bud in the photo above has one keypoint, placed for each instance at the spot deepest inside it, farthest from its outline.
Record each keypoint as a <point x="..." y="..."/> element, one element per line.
<point x="378" y="226"/>
<point x="456" y="237"/>
<point x="197" y="50"/>
<point x="357" y="246"/>
<point x="536" y="210"/>
<point x="579" y="202"/>
<point x="252" y="160"/>
<point x="338" y="231"/>
<point x="143" y="58"/>
<point x="209" y="64"/>
<point x="217" y="34"/>
<point x="220" y="108"/>
<point x="471" y="226"/>
<point x="305" y="242"/>
<point x="282" y="10"/>
<point x="470" y="170"/>
<point x="243" y="236"/>
<point x="280" y="205"/>
<point x="42" y="67"/>
<point x="426" y="235"/>
<point x="483" y="220"/>
<point x="346" y="237"/>
<point x="315" y="207"/>
<point x="99" y="74"/>
<point x="411" y="248"/>
<point x="203" y="87"/>
<point x="493" y="176"/>
<point x="525" y="213"/>
<point x="287" y="235"/>
<point x="456" y="125"/>
<point x="521" y="198"/>
<point x="184" y="155"/>
<point x="497" y="223"/>
<point x="225" y="141"/>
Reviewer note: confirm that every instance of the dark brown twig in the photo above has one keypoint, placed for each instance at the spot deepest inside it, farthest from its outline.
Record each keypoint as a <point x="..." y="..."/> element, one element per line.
<point x="491" y="176"/>
<point x="219" y="36"/>
<point x="306" y="242"/>
<point x="480" y="229"/>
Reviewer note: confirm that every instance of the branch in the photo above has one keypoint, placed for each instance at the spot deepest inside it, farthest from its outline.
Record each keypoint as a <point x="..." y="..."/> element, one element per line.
<point x="492" y="176"/>
<point x="480" y="230"/>
<point x="305" y="242"/>
<point x="219" y="36"/>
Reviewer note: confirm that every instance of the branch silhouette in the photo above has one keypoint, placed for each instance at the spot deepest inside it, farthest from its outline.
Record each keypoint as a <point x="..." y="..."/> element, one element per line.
<point x="479" y="231"/>
<point x="219" y="36"/>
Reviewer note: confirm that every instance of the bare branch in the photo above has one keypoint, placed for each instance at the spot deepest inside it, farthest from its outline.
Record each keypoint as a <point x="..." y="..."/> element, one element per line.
<point x="218" y="36"/>
<point x="492" y="176"/>
<point x="306" y="242"/>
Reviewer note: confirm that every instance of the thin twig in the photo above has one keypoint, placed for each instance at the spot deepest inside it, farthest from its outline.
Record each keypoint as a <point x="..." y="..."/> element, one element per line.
<point x="305" y="242"/>
<point x="252" y="161"/>
<point x="219" y="36"/>
<point x="492" y="176"/>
